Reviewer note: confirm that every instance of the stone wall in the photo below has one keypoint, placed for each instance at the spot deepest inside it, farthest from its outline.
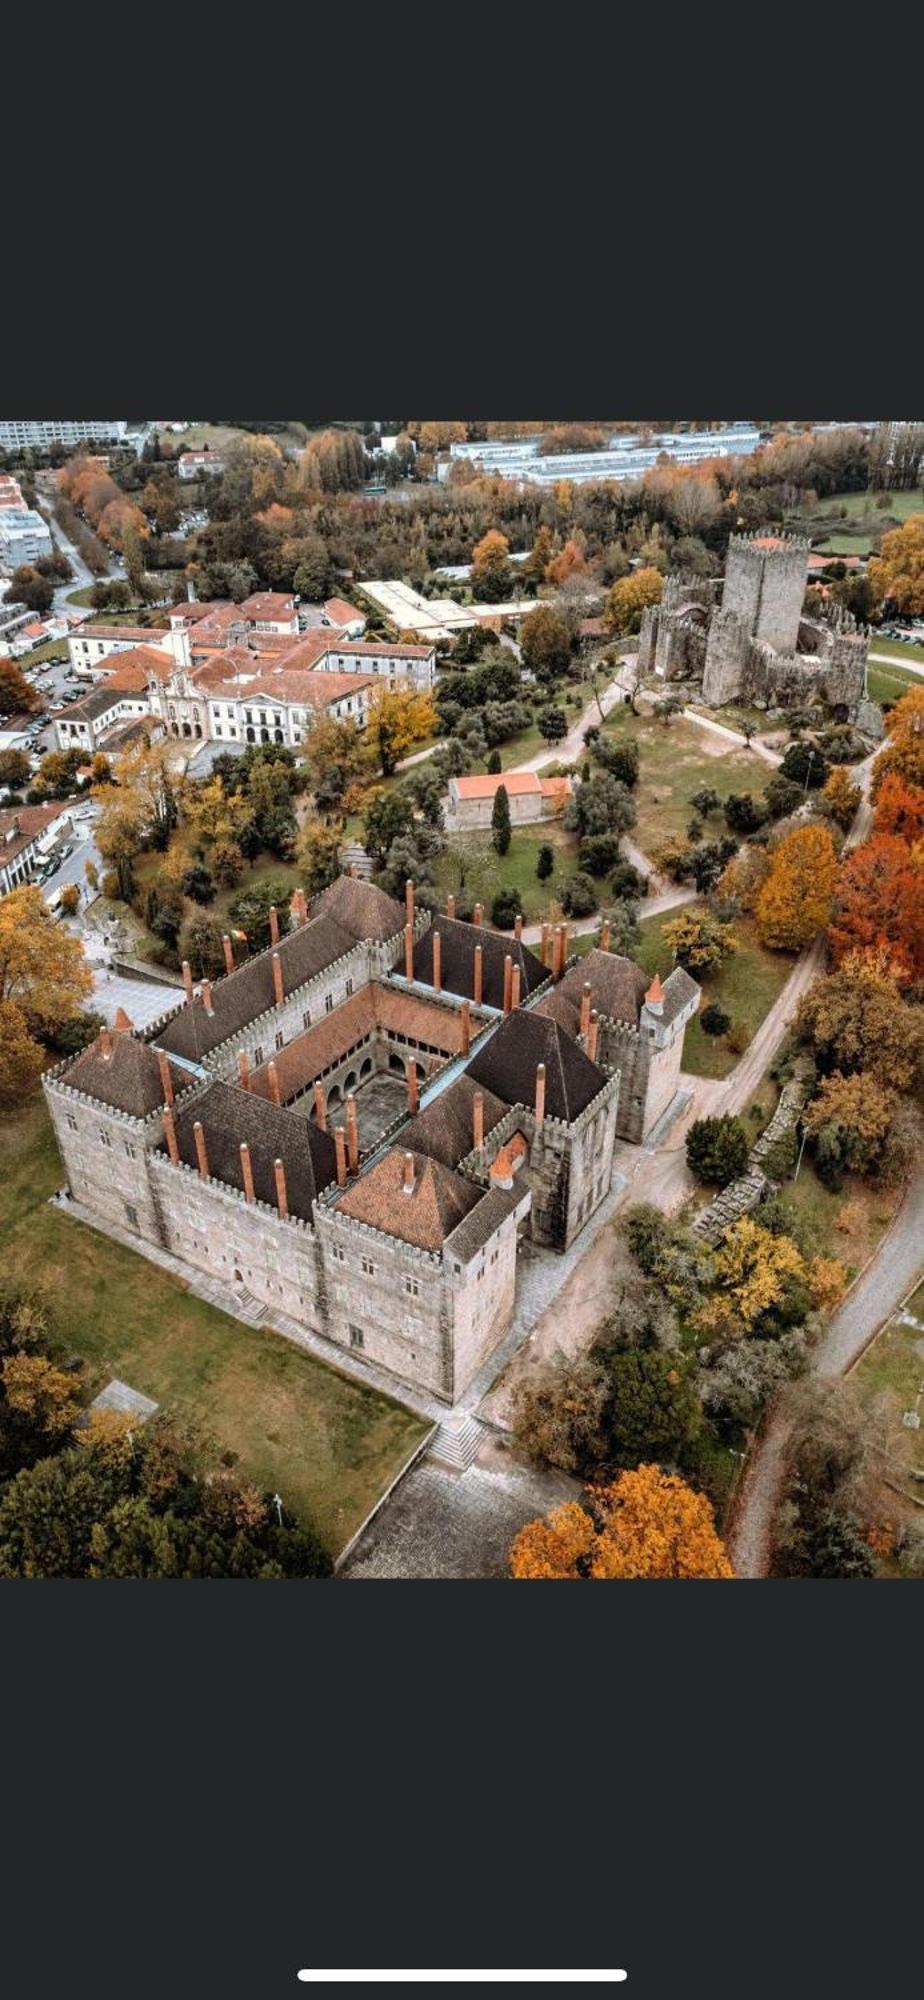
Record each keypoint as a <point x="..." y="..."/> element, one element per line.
<point x="106" y="1155"/>
<point x="744" y="1194"/>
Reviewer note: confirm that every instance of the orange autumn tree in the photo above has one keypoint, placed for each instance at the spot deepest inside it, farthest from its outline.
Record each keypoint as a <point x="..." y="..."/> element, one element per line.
<point x="899" y="809"/>
<point x="647" y="1523"/>
<point x="904" y="751"/>
<point x="879" y="902"/>
<point x="795" y="900"/>
<point x="897" y="573"/>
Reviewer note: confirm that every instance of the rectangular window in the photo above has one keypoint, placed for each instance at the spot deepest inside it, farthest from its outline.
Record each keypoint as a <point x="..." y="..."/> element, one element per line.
<point x="338" y="1254"/>
<point x="72" y="1121"/>
<point x="412" y="1287"/>
<point x="356" y="1336"/>
<point x="105" y="1139"/>
<point x="306" y="1019"/>
<point x="349" y="987"/>
<point x="368" y="1267"/>
<point x="258" y="1056"/>
<point x="328" y="1003"/>
<point x="131" y="1215"/>
<point x="280" y="1039"/>
<point x="130" y="1150"/>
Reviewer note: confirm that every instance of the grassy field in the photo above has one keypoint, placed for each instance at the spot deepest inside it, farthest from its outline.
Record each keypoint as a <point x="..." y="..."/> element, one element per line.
<point x="895" y="649"/>
<point x="746" y="986"/>
<point x="852" y="523"/>
<point x="675" y="762"/>
<point x="890" y="683"/>
<point x="848" y="1225"/>
<point x="487" y="872"/>
<point x="327" y="1445"/>
<point x="56" y="649"/>
<point x="889" y="1380"/>
<point x="265" y="868"/>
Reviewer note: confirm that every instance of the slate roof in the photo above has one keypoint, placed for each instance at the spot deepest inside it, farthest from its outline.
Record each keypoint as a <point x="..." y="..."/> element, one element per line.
<point x="362" y="909"/>
<point x="507" y="1066"/>
<point x="128" y="1079"/>
<point x="440" y="1201"/>
<point x="247" y="992"/>
<point x="445" y="1130"/>
<point x="679" y="990"/>
<point x="617" y="986"/>
<point x="479" y="1226"/>
<point x="229" y="1115"/>
<point x="457" y="960"/>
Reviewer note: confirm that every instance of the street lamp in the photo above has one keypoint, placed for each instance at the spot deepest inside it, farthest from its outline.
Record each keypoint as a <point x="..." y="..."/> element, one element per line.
<point x="808" y="771"/>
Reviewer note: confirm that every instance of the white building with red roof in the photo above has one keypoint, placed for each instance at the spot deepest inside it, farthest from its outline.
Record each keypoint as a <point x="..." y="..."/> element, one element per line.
<point x="531" y="798"/>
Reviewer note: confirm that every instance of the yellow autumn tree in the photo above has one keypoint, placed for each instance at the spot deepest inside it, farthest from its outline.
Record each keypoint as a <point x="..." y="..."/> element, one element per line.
<point x="647" y="1523"/>
<point x="399" y="718"/>
<point x="628" y="599"/>
<point x="43" y="970"/>
<point x="20" y="1056"/>
<point x="44" y="1395"/>
<point x="904" y="752"/>
<point x="897" y="573"/>
<point x="795" y="901"/>
<point x="752" y="1271"/>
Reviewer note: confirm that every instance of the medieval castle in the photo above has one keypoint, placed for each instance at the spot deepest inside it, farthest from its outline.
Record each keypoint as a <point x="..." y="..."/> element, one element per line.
<point x="356" y="1127"/>
<point x="756" y="646"/>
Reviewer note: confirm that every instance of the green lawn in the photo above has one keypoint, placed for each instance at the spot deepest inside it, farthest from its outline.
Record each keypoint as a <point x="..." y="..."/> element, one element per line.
<point x="487" y="872"/>
<point x="676" y="761"/>
<point x="327" y="1445"/>
<point x="84" y="596"/>
<point x="873" y="506"/>
<point x="890" y="683"/>
<point x="266" y="867"/>
<point x="56" y="649"/>
<point x="746" y="986"/>
<point x="895" y="649"/>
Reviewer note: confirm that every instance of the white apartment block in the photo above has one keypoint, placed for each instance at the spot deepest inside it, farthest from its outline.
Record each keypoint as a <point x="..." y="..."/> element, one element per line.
<point x="18" y="433"/>
<point x="24" y="536"/>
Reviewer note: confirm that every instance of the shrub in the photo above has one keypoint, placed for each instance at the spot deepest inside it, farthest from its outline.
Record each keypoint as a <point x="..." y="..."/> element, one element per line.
<point x="598" y="853"/>
<point x="494" y="763"/>
<point x="506" y="907"/>
<point x="579" y="897"/>
<point x="713" y="1021"/>
<point x="717" y="1150"/>
<point x="744" y="813"/>
<point x="806" y="765"/>
<point x="199" y="883"/>
<point x="781" y="797"/>
<point x="545" y="861"/>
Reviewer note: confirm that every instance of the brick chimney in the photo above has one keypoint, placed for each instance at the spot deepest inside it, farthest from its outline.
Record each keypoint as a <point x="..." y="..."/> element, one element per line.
<point x="354" y="871"/>
<point x="476" y="978"/>
<point x="282" y="1199"/>
<point x="450" y="906"/>
<point x="300" y="907"/>
<point x="518" y="926"/>
<point x="515" y="989"/>
<point x="278" y="987"/>
<point x="166" y="1080"/>
<point x="123" y="1023"/>
<point x="201" y="1154"/>
<point x="228" y="950"/>
<point x="408" y="1184"/>
<point x="170" y="1136"/>
<point x="605" y="936"/>
<point x="478" y="1120"/>
<point x="243" y="1069"/>
<point x="274" y="923"/>
<point x="437" y="963"/>
<point x="466" y="1027"/>
<point x="592" y="1035"/>
<point x="544" y="944"/>
<point x="558" y="963"/>
<point x="246" y="1172"/>
<point x="408" y="954"/>
<point x="207" y="996"/>
<point x="274" y="1090"/>
<point x="352" y="1133"/>
<point x="320" y="1107"/>
<point x="105" y="1043"/>
<point x="585" y="1010"/>
<point x="340" y="1150"/>
<point x="410" y="1071"/>
<point x="540" y="1094"/>
<point x="188" y="980"/>
<point x="476" y="914"/>
<point x="409" y="902"/>
<point x="508" y="981"/>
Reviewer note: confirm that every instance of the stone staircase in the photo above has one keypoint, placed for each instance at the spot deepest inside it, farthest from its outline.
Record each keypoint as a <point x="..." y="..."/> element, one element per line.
<point x="354" y="855"/>
<point x="457" y="1443"/>
<point x="251" y="1309"/>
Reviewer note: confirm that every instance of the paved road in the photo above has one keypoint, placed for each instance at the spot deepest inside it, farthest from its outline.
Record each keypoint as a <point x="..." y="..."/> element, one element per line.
<point x="888" y="660"/>
<point x="868" y="1307"/>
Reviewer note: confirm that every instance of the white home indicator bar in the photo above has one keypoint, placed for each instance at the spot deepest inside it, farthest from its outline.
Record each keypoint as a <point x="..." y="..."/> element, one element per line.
<point x="460" y="1978"/>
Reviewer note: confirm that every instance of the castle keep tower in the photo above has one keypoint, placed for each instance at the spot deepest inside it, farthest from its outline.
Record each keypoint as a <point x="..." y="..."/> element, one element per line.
<point x="762" y="598"/>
